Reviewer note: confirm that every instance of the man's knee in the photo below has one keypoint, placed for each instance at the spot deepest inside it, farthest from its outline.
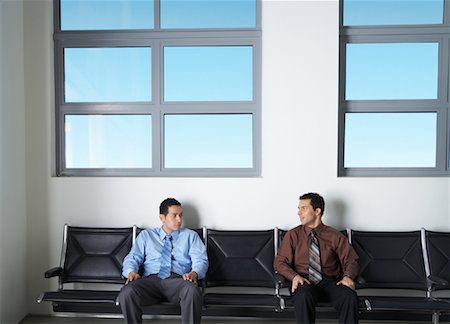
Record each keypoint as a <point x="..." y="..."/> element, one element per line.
<point x="347" y="296"/>
<point x="190" y="291"/>
<point x="126" y="293"/>
<point x="348" y="293"/>
<point x="304" y="293"/>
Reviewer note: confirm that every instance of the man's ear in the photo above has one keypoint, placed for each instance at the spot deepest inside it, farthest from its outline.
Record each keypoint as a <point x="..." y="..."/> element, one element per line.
<point x="162" y="217"/>
<point x="318" y="211"/>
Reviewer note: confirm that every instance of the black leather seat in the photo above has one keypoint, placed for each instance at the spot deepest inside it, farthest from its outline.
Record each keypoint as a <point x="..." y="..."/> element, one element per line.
<point x="89" y="255"/>
<point x="438" y="249"/>
<point x="393" y="260"/>
<point x="240" y="259"/>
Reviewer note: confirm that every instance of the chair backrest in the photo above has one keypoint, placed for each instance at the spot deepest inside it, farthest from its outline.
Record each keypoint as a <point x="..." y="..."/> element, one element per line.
<point x="95" y="254"/>
<point x="438" y="246"/>
<point x="390" y="259"/>
<point x="280" y="236"/>
<point x="240" y="258"/>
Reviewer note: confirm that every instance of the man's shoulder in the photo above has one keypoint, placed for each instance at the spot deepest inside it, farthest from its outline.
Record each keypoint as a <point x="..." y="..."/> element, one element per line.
<point x="295" y="229"/>
<point x="147" y="232"/>
<point x="331" y="229"/>
<point x="332" y="232"/>
<point x="188" y="232"/>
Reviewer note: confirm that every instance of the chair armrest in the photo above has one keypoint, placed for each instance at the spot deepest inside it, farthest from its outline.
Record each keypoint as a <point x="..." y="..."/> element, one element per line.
<point x="434" y="281"/>
<point x="280" y="281"/>
<point x="360" y="280"/>
<point x="53" y="272"/>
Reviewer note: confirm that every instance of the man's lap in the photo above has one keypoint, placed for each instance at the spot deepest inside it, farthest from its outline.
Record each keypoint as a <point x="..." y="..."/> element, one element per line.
<point x="154" y="289"/>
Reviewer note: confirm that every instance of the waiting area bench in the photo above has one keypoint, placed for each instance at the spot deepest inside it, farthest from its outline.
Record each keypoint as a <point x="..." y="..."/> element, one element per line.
<point x="400" y="273"/>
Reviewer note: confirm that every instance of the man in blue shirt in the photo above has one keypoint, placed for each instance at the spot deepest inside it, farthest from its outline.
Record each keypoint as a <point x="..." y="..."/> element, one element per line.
<point x="172" y="260"/>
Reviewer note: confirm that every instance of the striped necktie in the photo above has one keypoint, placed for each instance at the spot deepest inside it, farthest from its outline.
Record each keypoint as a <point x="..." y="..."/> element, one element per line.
<point x="166" y="258"/>
<point x="314" y="260"/>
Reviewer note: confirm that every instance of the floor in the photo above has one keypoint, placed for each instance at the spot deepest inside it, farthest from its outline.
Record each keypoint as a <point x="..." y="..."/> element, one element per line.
<point x="86" y="320"/>
<point x="37" y="319"/>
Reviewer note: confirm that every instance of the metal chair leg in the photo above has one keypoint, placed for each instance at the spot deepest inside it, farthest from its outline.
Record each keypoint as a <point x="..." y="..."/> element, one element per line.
<point x="435" y="318"/>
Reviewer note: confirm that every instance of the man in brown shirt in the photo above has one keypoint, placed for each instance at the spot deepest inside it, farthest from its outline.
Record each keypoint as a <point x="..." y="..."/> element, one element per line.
<point x="338" y="265"/>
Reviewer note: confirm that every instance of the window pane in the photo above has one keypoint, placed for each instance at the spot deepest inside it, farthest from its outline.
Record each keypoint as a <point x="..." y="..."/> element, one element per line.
<point x="208" y="141"/>
<point x="107" y="74"/>
<point x="208" y="14"/>
<point x="393" y="12"/>
<point x="390" y="140"/>
<point x="108" y="141"/>
<point x="106" y="14"/>
<point x="392" y="71"/>
<point x="208" y="73"/>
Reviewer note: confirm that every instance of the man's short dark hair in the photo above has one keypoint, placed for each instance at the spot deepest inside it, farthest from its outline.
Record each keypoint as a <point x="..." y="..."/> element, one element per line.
<point x="164" y="207"/>
<point x="316" y="201"/>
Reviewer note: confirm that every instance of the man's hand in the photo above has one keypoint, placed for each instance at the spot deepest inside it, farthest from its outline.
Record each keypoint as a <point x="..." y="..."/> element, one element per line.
<point x="191" y="276"/>
<point x="347" y="281"/>
<point x="132" y="276"/>
<point x="298" y="280"/>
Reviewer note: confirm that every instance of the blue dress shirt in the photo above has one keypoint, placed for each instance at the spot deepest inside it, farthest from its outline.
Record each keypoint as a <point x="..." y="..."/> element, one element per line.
<point x="188" y="253"/>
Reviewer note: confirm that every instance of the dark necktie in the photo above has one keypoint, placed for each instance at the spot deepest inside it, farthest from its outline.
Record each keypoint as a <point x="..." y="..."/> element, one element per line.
<point x="166" y="258"/>
<point x="315" y="275"/>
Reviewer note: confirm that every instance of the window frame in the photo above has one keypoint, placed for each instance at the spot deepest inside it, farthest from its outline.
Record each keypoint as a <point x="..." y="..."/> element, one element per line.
<point x="156" y="39"/>
<point x="440" y="106"/>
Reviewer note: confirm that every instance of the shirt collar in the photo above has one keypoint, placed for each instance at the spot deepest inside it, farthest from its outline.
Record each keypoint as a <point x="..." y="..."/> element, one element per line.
<point x="318" y="229"/>
<point x="163" y="234"/>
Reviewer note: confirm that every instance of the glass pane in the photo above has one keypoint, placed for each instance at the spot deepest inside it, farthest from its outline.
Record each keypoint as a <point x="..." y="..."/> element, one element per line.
<point x="107" y="74"/>
<point x="208" y="14"/>
<point x="392" y="71"/>
<point x="108" y="141"/>
<point x="208" y="73"/>
<point x="208" y="141"/>
<point x="390" y="140"/>
<point x="393" y="12"/>
<point x="106" y="14"/>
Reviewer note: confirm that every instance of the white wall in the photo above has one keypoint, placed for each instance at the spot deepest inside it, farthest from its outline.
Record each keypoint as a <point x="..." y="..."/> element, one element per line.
<point x="13" y="266"/>
<point x="41" y="232"/>
<point x="299" y="123"/>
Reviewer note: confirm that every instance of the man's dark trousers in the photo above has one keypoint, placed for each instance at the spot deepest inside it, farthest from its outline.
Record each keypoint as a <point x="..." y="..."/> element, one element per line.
<point x="343" y="299"/>
<point x="152" y="290"/>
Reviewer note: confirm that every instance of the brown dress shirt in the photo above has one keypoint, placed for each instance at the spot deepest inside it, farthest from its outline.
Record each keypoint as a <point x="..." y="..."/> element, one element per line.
<point x="337" y="256"/>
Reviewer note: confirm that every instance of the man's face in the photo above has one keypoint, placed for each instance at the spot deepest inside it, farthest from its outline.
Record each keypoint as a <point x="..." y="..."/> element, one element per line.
<point x="308" y="216"/>
<point x="172" y="221"/>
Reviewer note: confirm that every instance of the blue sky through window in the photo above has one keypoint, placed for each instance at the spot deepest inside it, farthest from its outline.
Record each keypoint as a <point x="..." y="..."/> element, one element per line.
<point x="208" y="141"/>
<point x="108" y="141"/>
<point x="107" y="14"/>
<point x="390" y="140"/>
<point x="208" y="14"/>
<point x="392" y="71"/>
<point x="107" y="74"/>
<point x="393" y="12"/>
<point x="208" y="73"/>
